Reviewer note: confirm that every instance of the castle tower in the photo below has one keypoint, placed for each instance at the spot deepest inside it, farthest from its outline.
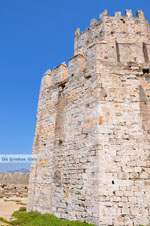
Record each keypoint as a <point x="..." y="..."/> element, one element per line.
<point x="92" y="135"/>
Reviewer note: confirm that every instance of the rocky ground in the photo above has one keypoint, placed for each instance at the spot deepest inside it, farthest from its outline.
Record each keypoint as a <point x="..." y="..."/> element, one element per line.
<point x="12" y="197"/>
<point x="13" y="190"/>
<point x="13" y="193"/>
<point x="9" y="205"/>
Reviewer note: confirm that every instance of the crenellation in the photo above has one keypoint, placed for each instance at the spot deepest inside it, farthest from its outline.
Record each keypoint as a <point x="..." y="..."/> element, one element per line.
<point x="140" y="14"/>
<point x="77" y="32"/>
<point x="117" y="14"/>
<point x="92" y="134"/>
<point x="59" y="74"/>
<point x="76" y="64"/>
<point x="128" y="13"/>
<point x="47" y="79"/>
<point x="103" y="14"/>
<point x="93" y="21"/>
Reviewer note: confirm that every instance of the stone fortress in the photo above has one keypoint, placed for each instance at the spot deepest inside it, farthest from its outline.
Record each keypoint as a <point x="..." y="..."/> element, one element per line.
<point x="92" y="135"/>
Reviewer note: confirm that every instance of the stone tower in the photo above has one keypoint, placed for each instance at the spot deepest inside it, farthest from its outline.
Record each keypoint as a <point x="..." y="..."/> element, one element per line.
<point x="92" y="135"/>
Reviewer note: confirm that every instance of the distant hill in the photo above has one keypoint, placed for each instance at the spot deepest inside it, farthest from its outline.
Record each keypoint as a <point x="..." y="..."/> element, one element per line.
<point x="15" y="177"/>
<point x="24" y="170"/>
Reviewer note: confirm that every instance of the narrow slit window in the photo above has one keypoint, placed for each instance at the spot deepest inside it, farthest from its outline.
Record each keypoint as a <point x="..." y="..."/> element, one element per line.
<point x="146" y="73"/>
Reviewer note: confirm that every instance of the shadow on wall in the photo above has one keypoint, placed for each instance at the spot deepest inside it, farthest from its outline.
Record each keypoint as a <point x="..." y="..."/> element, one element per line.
<point x="144" y="109"/>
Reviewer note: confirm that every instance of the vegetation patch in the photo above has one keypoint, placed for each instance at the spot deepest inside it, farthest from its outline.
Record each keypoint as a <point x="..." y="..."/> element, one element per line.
<point x="20" y="203"/>
<point x="36" y="219"/>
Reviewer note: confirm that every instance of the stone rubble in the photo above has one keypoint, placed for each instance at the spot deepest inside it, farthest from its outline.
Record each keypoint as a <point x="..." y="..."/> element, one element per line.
<point x="13" y="190"/>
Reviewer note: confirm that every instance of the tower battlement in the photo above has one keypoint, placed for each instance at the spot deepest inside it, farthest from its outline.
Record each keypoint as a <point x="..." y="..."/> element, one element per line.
<point x="128" y="13"/>
<point x="128" y="31"/>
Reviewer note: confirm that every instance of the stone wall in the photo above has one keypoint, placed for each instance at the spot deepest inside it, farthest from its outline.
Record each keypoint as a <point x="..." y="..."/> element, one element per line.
<point x="93" y="125"/>
<point x="13" y="190"/>
<point x="125" y="157"/>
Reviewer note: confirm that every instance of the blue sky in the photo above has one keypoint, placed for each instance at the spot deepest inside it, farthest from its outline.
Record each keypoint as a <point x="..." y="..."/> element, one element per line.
<point x="36" y="35"/>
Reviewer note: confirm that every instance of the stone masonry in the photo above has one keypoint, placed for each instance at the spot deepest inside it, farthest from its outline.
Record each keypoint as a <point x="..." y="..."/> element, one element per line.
<point x="92" y="135"/>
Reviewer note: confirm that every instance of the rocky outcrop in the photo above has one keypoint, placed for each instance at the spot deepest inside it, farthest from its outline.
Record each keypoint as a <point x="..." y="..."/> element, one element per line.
<point x="14" y="177"/>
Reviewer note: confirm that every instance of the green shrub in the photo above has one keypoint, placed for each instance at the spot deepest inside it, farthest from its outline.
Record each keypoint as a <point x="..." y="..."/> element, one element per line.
<point x="3" y="220"/>
<point x="22" y="209"/>
<point x="36" y="219"/>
